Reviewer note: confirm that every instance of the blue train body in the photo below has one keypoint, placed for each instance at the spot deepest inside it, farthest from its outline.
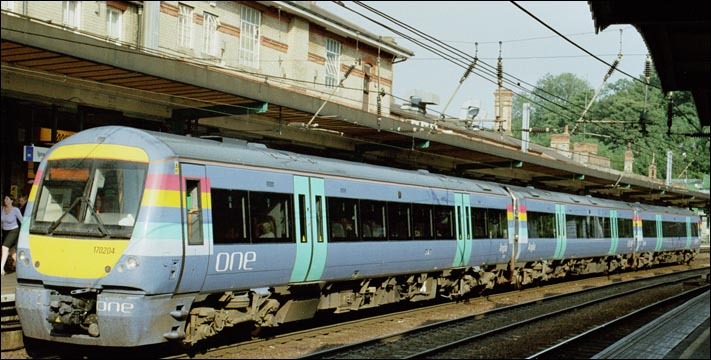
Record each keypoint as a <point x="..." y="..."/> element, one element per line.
<point x="201" y="235"/>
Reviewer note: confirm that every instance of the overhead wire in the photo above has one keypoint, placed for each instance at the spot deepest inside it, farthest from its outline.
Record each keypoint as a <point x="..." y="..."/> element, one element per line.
<point x="458" y="62"/>
<point x="573" y="43"/>
<point x="458" y="53"/>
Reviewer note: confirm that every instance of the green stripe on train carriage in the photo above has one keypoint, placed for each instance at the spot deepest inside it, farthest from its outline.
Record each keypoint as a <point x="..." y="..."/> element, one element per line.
<point x="561" y="234"/>
<point x="660" y="235"/>
<point x="688" y="233"/>
<point x="614" y="233"/>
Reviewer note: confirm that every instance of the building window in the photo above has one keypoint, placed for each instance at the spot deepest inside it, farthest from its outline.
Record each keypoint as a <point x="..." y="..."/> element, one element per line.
<point x="113" y="23"/>
<point x="8" y="5"/>
<point x="71" y="13"/>
<point x="210" y="35"/>
<point x="250" y="20"/>
<point x="185" y="26"/>
<point x="333" y="59"/>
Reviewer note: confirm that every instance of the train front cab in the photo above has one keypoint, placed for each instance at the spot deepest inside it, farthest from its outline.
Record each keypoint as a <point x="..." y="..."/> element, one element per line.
<point x="90" y="274"/>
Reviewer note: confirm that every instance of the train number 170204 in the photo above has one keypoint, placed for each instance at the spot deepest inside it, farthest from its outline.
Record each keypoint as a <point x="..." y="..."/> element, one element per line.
<point x="104" y="250"/>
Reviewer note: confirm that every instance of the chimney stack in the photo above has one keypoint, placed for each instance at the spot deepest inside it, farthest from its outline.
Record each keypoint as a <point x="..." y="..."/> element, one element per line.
<point x="561" y="142"/>
<point x="629" y="158"/>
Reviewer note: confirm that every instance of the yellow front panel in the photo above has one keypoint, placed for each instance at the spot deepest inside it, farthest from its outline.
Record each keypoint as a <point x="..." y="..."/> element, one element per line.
<point x="100" y="151"/>
<point x="72" y="258"/>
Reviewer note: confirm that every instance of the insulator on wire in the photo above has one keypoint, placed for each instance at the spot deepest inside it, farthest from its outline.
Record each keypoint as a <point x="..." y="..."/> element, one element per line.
<point x="379" y="105"/>
<point x="473" y="64"/>
<point x="613" y="67"/>
<point x="500" y="68"/>
<point x="469" y="69"/>
<point x="647" y="69"/>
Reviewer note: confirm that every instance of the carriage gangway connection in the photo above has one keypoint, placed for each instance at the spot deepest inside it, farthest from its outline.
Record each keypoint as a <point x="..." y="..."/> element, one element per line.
<point x="685" y="330"/>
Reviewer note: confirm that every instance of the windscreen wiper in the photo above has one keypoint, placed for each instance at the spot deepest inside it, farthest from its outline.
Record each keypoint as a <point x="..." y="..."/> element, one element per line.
<point x="81" y="199"/>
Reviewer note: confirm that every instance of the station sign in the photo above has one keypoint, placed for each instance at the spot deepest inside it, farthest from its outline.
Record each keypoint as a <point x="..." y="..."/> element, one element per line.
<point x="34" y="153"/>
<point x="45" y="135"/>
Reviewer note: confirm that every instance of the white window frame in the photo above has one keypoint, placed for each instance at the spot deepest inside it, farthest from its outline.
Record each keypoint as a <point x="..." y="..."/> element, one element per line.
<point x="333" y="61"/>
<point x="71" y="13"/>
<point x="209" y="38"/>
<point x="114" y="29"/>
<point x="185" y="26"/>
<point x="249" y="36"/>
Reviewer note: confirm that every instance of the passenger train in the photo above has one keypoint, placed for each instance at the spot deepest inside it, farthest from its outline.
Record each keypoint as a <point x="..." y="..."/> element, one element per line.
<point x="136" y="237"/>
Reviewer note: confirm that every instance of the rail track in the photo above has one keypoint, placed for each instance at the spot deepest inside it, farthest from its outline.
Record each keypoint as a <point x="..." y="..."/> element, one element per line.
<point x="499" y="333"/>
<point x="620" y="336"/>
<point x="11" y="328"/>
<point x="308" y="338"/>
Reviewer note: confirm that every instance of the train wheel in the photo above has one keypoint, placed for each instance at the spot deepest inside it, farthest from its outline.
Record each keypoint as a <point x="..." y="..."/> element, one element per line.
<point x="255" y="331"/>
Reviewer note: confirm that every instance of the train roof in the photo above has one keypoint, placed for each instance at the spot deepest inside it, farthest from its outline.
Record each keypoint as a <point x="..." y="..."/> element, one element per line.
<point x="161" y="146"/>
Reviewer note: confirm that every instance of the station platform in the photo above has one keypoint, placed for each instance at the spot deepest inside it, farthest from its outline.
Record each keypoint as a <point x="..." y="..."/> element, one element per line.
<point x="682" y="333"/>
<point x="9" y="283"/>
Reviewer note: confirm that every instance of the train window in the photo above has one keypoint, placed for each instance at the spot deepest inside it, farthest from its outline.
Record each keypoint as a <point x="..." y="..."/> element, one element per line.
<point x="649" y="228"/>
<point x="605" y="225"/>
<point x="624" y="228"/>
<point x="96" y="198"/>
<point x="673" y="229"/>
<point x="422" y="222"/>
<point x="302" y="218"/>
<point x="496" y="223"/>
<point x="576" y="226"/>
<point x="479" y="223"/>
<point x="399" y="221"/>
<point x="489" y="223"/>
<point x="342" y="219"/>
<point x="694" y="229"/>
<point x="270" y="217"/>
<point x="318" y="205"/>
<point x="597" y="227"/>
<point x="193" y="209"/>
<point x="444" y="221"/>
<point x="541" y="225"/>
<point x="372" y="214"/>
<point x="229" y="215"/>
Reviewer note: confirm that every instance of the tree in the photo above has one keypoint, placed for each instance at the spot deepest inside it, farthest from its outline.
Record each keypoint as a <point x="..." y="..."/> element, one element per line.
<point x="559" y="100"/>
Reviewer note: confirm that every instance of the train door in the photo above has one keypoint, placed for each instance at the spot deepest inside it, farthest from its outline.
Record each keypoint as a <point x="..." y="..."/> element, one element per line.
<point x="660" y="233"/>
<point x="561" y="232"/>
<point x="311" y="241"/>
<point x="195" y="245"/>
<point x="463" y="229"/>
<point x="614" y="233"/>
<point x="689" y="233"/>
<point x="637" y="235"/>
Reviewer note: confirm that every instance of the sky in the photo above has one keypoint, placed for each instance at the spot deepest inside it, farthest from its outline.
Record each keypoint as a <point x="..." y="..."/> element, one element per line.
<point x="529" y="50"/>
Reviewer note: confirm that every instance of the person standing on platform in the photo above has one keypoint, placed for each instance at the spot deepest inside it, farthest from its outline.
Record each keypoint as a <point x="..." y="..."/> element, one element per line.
<point x="22" y="200"/>
<point x="11" y="221"/>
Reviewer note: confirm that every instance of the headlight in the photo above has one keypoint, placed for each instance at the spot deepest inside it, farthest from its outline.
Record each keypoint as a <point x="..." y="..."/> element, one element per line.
<point x="131" y="263"/>
<point x="23" y="258"/>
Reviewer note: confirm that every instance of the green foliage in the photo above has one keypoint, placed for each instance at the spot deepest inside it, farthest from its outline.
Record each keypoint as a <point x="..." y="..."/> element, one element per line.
<point x="559" y="100"/>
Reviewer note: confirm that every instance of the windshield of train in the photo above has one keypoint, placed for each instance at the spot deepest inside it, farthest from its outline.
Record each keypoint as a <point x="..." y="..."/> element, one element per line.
<point x="89" y="197"/>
